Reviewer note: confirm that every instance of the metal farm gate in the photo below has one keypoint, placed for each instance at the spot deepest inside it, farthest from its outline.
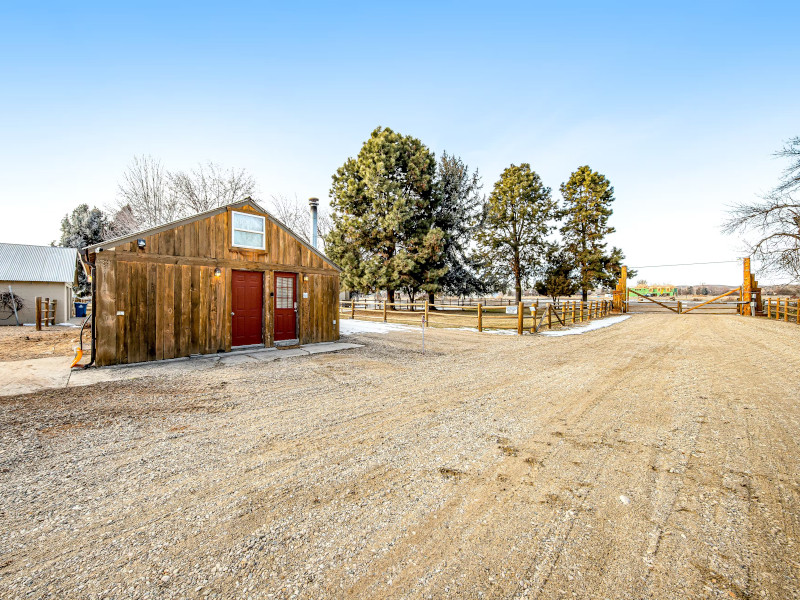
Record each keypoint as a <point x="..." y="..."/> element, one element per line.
<point x="747" y="298"/>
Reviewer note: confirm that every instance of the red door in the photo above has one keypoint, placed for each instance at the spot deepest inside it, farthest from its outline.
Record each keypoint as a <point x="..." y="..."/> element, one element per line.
<point x="247" y="301"/>
<point x="285" y="306"/>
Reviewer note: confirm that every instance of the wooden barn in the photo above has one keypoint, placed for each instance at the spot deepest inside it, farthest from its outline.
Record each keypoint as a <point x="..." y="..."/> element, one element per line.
<point x="230" y="277"/>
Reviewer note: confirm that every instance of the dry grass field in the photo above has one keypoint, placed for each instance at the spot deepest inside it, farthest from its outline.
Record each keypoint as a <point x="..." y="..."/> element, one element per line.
<point x="657" y="458"/>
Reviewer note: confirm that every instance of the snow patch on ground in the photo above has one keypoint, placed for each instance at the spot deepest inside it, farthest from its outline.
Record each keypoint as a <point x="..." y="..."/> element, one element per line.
<point x="591" y="326"/>
<point x="494" y="331"/>
<point x="353" y="326"/>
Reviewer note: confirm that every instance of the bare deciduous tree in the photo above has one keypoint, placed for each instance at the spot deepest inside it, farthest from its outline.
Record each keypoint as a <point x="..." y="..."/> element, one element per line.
<point x="774" y="220"/>
<point x="150" y="195"/>
<point x="147" y="192"/>
<point x="209" y="186"/>
<point x="296" y="215"/>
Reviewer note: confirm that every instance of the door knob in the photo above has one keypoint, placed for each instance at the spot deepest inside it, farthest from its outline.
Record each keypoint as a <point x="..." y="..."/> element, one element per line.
<point x="232" y="313"/>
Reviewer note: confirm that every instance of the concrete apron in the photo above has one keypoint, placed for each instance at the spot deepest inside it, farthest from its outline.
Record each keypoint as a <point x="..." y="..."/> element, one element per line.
<point x="26" y="376"/>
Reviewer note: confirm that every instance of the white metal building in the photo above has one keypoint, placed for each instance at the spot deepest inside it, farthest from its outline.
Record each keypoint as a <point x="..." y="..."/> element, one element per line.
<point x="31" y="271"/>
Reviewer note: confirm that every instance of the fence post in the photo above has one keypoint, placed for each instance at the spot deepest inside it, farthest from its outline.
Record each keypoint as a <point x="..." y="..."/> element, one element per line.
<point x="426" y="313"/>
<point x="520" y="317"/>
<point x="564" y="313"/>
<point x="480" y="316"/>
<point x="46" y="312"/>
<point x="797" y="311"/>
<point x="786" y="310"/>
<point x="534" y="311"/>
<point x="549" y="316"/>
<point x="352" y="309"/>
<point x="680" y="307"/>
<point x="572" y="311"/>
<point x="38" y="313"/>
<point x="580" y="311"/>
<point x="55" y="308"/>
<point x="384" y="311"/>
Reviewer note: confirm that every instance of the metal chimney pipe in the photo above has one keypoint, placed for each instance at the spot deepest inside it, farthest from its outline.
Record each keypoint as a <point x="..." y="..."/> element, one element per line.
<point x="313" y="203"/>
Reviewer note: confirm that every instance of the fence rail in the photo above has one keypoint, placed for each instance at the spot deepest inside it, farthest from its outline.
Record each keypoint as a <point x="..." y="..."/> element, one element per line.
<point x="45" y="312"/>
<point x="520" y="319"/>
<point x="782" y="309"/>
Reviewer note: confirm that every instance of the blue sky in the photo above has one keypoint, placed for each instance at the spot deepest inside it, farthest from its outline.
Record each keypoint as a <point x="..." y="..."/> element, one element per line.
<point x="681" y="105"/>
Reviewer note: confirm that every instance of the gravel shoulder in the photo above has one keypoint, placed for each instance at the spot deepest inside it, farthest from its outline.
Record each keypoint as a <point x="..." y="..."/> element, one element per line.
<point x="657" y="458"/>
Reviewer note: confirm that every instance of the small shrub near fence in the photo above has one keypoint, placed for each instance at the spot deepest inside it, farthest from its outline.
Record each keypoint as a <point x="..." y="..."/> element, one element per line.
<point x="782" y="310"/>
<point x="520" y="318"/>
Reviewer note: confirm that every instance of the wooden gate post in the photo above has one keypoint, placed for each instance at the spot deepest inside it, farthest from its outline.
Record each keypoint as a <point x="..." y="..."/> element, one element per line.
<point x="384" y="311"/>
<point x="534" y="310"/>
<point x="352" y="309"/>
<point x="747" y="289"/>
<point x="564" y="313"/>
<point x="520" y="317"/>
<point x="480" y="316"/>
<point x="549" y="316"/>
<point x="38" y="313"/>
<point x="426" y="313"/>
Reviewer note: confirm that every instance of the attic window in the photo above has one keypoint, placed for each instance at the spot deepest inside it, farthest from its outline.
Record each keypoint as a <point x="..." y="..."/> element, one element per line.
<point x="248" y="231"/>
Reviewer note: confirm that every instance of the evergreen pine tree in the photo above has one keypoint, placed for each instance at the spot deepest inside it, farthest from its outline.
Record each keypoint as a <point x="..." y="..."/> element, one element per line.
<point x="587" y="197"/>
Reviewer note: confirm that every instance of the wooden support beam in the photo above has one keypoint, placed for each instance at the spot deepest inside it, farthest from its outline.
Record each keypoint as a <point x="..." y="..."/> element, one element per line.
<point x="655" y="301"/>
<point x="38" y="313"/>
<point x="733" y="291"/>
<point x="747" y="289"/>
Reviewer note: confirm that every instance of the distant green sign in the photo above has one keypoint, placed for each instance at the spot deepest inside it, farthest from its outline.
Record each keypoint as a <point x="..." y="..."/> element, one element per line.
<point x="659" y="290"/>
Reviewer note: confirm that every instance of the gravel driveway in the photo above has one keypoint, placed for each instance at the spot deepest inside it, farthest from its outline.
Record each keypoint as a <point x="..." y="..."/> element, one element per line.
<point x="657" y="458"/>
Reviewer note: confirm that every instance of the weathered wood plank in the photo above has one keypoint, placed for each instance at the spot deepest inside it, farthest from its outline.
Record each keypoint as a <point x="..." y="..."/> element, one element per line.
<point x="159" y="308"/>
<point x="168" y="299"/>
<point x="152" y="300"/>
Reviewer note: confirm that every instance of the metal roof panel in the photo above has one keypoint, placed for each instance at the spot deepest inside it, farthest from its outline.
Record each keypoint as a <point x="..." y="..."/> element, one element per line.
<point x="23" y="262"/>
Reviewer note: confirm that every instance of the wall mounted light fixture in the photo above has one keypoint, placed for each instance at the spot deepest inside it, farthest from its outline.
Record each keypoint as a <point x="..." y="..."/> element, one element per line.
<point x="141" y="243"/>
<point x="217" y="272"/>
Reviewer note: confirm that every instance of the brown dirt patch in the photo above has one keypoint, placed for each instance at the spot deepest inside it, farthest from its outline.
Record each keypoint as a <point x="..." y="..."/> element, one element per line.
<point x="23" y="343"/>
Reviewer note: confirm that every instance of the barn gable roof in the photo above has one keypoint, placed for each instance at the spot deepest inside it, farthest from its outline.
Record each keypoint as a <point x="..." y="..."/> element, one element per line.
<point x="23" y="262"/>
<point x="197" y="217"/>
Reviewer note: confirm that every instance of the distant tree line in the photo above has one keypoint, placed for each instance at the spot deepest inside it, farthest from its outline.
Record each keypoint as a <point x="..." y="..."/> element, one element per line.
<point x="404" y="221"/>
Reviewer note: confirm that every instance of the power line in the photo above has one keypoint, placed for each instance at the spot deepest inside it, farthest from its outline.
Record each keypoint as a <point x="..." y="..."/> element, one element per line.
<point x="714" y="262"/>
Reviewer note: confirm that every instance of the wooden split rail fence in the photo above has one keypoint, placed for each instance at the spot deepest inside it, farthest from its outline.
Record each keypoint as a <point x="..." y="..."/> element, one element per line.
<point x="526" y="318"/>
<point x="782" y="310"/>
<point x="45" y="312"/>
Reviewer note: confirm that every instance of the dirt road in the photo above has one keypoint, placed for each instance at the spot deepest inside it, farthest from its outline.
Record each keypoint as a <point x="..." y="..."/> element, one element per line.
<point x="657" y="458"/>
